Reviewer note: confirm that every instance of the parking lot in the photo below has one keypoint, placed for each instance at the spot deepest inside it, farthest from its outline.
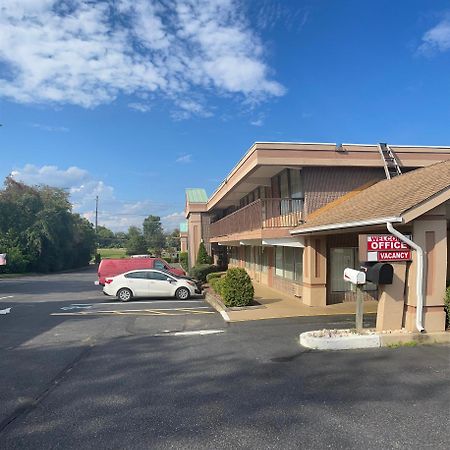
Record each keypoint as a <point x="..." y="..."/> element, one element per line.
<point x="81" y="370"/>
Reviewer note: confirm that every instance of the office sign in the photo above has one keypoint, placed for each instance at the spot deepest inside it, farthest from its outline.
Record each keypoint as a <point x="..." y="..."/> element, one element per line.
<point x="383" y="248"/>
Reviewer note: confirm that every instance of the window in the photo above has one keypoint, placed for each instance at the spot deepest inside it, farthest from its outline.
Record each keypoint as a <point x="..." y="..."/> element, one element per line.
<point x="298" y="264"/>
<point x="284" y="184"/>
<point x="340" y="259"/>
<point x="159" y="265"/>
<point x="289" y="263"/>
<point x="137" y="275"/>
<point x="158" y="276"/>
<point x="296" y="184"/>
<point x="265" y="259"/>
<point x="279" y="261"/>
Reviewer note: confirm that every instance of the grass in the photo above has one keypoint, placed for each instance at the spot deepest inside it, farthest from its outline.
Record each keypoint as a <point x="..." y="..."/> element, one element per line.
<point x="403" y="344"/>
<point x="112" y="252"/>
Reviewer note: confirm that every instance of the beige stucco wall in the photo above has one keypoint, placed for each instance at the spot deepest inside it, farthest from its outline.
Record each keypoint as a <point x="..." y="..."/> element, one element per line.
<point x="314" y="290"/>
<point x="194" y="236"/>
<point x="430" y="232"/>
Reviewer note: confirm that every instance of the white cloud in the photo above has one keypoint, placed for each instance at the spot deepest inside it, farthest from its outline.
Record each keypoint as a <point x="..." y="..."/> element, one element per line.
<point x="141" y="107"/>
<point x="88" y="53"/>
<point x="184" y="159"/>
<point x="114" y="213"/>
<point x="172" y="221"/>
<point x="50" y="128"/>
<point x="257" y="123"/>
<point x="437" y="38"/>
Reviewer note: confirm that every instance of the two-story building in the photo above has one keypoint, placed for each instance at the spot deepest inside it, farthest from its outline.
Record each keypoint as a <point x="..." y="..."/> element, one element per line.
<point x="259" y="216"/>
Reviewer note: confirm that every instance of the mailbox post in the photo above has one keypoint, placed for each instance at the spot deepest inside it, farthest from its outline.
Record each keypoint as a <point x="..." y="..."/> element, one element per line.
<point x="357" y="278"/>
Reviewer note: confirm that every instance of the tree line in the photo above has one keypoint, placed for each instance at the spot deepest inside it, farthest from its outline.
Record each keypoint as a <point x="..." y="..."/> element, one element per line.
<point x="148" y="239"/>
<point x="39" y="232"/>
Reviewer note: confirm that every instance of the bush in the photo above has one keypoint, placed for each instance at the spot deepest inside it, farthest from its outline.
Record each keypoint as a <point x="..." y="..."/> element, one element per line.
<point x="217" y="284"/>
<point x="447" y="305"/>
<point x="184" y="260"/>
<point x="202" y="256"/>
<point x="213" y="275"/>
<point x="200" y="272"/>
<point x="236" y="288"/>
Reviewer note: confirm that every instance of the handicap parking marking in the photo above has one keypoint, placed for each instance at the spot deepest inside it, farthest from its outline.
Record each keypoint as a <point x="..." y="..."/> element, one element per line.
<point x="5" y="311"/>
<point x="77" y="306"/>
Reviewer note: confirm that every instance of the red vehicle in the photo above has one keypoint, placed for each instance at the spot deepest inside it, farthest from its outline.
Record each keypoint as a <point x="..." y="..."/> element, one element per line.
<point x="113" y="267"/>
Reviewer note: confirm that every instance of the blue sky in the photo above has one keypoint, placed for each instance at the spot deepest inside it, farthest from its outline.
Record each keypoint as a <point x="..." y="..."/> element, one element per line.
<point x="137" y="100"/>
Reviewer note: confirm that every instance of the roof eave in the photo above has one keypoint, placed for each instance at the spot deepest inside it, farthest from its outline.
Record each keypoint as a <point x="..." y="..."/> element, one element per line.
<point x="340" y="226"/>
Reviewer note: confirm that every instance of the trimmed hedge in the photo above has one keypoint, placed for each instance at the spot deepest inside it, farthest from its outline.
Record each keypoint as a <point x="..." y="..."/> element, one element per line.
<point x="200" y="272"/>
<point x="217" y="284"/>
<point x="236" y="288"/>
<point x="212" y="275"/>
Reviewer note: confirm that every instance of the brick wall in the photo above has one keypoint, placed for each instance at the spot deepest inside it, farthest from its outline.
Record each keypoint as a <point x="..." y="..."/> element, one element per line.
<point x="324" y="184"/>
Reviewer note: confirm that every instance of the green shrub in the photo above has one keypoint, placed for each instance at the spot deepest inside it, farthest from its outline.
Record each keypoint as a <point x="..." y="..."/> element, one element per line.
<point x="200" y="272"/>
<point x="184" y="260"/>
<point x="447" y="305"/>
<point x="217" y="284"/>
<point x="212" y="275"/>
<point x="202" y="256"/>
<point x="236" y="288"/>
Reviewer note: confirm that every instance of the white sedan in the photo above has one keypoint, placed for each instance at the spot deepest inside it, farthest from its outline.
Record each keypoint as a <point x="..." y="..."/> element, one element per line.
<point x="148" y="283"/>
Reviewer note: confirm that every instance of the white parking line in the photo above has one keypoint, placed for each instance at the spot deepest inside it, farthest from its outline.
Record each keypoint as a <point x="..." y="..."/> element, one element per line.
<point x="152" y="302"/>
<point x="191" y="333"/>
<point x="8" y="296"/>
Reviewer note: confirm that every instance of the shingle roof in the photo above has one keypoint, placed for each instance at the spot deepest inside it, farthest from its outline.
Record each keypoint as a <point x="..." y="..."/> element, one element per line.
<point x="387" y="198"/>
<point x="196" y="195"/>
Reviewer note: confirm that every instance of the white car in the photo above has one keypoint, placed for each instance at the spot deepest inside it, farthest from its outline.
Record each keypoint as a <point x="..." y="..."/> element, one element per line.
<point x="148" y="283"/>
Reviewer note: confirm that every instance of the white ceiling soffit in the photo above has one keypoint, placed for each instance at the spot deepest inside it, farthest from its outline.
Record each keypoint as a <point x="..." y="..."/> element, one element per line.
<point x="256" y="242"/>
<point x="286" y="242"/>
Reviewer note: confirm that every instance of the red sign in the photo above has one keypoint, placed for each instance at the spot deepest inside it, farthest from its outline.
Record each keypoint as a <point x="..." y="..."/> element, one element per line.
<point x="386" y="247"/>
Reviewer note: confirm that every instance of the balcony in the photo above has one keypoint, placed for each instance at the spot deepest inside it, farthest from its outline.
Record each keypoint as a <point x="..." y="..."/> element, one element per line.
<point x="259" y="215"/>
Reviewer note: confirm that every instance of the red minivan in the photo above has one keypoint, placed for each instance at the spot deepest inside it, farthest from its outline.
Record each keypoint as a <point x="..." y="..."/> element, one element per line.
<point x="113" y="267"/>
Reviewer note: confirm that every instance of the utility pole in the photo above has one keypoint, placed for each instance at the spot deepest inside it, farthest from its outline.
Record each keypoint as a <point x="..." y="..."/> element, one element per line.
<point x="96" y="214"/>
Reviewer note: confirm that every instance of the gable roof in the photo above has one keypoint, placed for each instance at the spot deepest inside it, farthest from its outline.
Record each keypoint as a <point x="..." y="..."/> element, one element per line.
<point x="196" y="195"/>
<point x="387" y="200"/>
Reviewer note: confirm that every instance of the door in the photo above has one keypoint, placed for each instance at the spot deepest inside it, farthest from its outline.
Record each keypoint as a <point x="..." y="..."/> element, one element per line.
<point x="159" y="286"/>
<point x="138" y="282"/>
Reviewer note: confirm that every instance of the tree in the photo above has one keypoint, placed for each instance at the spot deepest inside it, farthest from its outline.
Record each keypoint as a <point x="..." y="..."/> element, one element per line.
<point x="173" y="240"/>
<point x="202" y="255"/>
<point x="39" y="231"/>
<point x="154" y="234"/>
<point x="105" y="237"/>
<point x="136" y="243"/>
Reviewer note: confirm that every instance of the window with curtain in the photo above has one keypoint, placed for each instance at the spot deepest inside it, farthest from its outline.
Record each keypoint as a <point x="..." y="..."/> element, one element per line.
<point x="279" y="261"/>
<point x="298" y="264"/>
<point x="288" y="263"/>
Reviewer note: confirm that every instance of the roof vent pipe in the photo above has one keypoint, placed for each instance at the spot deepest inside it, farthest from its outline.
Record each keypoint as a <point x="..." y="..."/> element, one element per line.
<point x="420" y="273"/>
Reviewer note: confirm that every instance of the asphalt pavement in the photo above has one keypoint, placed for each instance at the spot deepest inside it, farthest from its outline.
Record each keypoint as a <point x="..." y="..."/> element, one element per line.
<point x="80" y="370"/>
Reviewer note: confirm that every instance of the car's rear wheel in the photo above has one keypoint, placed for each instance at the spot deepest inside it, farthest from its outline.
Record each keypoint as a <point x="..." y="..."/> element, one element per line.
<point x="124" y="295"/>
<point x="182" y="293"/>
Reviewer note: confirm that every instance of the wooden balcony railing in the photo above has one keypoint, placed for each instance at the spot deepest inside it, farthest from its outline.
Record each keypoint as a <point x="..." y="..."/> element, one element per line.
<point x="263" y="213"/>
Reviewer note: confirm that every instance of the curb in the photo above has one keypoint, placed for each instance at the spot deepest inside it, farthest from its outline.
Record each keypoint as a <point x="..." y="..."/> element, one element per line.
<point x="374" y="340"/>
<point x="339" y="343"/>
<point x="218" y="306"/>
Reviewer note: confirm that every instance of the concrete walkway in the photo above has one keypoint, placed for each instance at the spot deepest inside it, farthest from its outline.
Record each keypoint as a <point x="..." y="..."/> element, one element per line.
<point x="275" y="304"/>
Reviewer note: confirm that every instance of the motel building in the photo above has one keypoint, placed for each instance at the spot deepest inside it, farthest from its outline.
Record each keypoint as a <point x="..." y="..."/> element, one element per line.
<point x="295" y="215"/>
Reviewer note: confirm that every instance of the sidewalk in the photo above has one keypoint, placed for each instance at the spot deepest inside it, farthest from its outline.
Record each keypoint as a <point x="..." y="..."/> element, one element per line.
<point x="275" y="305"/>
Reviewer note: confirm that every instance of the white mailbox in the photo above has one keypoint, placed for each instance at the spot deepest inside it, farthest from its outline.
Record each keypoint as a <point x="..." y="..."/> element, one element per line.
<point x="354" y="276"/>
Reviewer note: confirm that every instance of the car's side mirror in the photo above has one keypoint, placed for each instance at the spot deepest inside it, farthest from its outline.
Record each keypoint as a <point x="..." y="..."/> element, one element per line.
<point x="169" y="280"/>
